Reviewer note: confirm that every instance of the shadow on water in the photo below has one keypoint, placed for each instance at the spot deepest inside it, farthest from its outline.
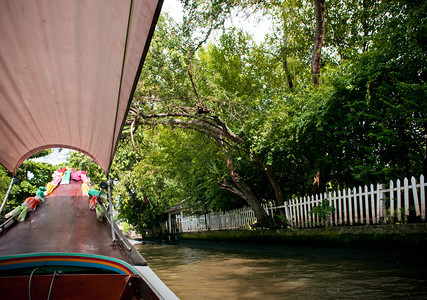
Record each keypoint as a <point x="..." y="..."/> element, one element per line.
<point x="208" y="270"/>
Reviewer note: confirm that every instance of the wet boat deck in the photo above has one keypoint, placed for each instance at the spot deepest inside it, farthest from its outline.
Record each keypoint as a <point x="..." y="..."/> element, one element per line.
<point x="63" y="223"/>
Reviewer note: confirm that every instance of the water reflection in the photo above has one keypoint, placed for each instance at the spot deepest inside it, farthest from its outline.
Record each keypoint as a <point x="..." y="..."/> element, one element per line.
<point x="203" y="270"/>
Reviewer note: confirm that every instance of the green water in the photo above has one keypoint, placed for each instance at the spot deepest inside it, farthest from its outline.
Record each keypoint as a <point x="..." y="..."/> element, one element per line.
<point x="205" y="270"/>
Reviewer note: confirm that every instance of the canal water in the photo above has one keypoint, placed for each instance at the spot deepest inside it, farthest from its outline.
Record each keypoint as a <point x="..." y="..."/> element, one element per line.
<point x="208" y="270"/>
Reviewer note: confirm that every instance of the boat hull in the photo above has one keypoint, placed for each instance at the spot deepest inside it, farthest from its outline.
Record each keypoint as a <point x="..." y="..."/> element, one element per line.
<point x="64" y="237"/>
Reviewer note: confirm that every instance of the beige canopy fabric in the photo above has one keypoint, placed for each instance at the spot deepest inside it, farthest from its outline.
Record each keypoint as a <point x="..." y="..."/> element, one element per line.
<point x="68" y="71"/>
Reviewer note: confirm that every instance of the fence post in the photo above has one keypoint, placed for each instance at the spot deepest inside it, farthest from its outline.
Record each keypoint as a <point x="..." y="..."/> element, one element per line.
<point x="350" y="208"/>
<point x="361" y="204"/>
<point x="406" y="196"/>
<point x="415" y="194"/>
<point x="374" y="216"/>
<point x="368" y="220"/>
<point x="294" y="213"/>
<point x="303" y="212"/>
<point x="356" y="215"/>
<point x="381" y="207"/>
<point x="399" y="200"/>
<point x="339" y="207"/>
<point x="391" y="200"/>
<point x="336" y="208"/>
<point x="423" y="198"/>
<point x="288" y="213"/>
<point x="344" y="204"/>
<point x="325" y="196"/>
<point x="315" y="202"/>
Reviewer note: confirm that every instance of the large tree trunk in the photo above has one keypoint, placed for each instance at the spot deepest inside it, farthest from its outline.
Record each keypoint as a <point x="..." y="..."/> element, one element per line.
<point x="263" y="219"/>
<point x="280" y="197"/>
<point x="319" y="35"/>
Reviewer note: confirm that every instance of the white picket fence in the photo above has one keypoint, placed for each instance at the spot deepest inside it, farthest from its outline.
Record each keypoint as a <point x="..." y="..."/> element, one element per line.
<point x="372" y="204"/>
<point x="362" y="205"/>
<point x="240" y="218"/>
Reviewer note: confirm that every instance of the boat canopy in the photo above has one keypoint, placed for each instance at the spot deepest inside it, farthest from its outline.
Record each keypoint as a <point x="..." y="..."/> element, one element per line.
<point x="68" y="72"/>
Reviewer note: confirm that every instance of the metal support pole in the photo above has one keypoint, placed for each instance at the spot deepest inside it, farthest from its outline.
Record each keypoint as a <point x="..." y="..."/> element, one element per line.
<point x="7" y="194"/>
<point x="113" y="235"/>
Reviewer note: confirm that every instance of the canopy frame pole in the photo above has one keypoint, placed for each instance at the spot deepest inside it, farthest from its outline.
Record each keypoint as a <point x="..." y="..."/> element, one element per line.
<point x="110" y="203"/>
<point x="7" y="194"/>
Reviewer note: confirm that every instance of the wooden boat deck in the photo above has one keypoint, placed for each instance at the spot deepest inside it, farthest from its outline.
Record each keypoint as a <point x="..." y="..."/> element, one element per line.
<point x="63" y="223"/>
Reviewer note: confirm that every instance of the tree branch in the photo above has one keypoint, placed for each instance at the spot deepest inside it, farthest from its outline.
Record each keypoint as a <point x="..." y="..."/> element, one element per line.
<point x="232" y="189"/>
<point x="217" y="127"/>
<point x="194" y="86"/>
<point x="133" y="141"/>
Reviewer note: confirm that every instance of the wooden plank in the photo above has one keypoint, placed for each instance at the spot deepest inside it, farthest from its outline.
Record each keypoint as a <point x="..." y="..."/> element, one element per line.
<point x="391" y="199"/>
<point x="415" y="194"/>
<point x="310" y="205"/>
<point x="297" y="212"/>
<point x="318" y="200"/>
<point x="374" y="216"/>
<point x="58" y="226"/>
<point x="304" y="212"/>
<point x="344" y="202"/>
<point x="399" y="200"/>
<point x="350" y="208"/>
<point x="356" y="215"/>
<point x="301" y="203"/>
<point x="361" y="204"/>
<point x="422" y="198"/>
<point x="339" y="208"/>
<point x="294" y="214"/>
<point x="315" y="217"/>
<point x="331" y="222"/>
<point x="381" y="207"/>
<point x="406" y="196"/>
<point x="336" y="208"/>
<point x="368" y="220"/>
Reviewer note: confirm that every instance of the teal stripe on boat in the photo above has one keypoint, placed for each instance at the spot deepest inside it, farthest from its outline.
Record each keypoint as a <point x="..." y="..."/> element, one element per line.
<point x="66" y="259"/>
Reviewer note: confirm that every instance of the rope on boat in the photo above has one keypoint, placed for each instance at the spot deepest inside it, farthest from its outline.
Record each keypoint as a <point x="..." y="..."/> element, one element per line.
<point x="31" y="279"/>
<point x="51" y="283"/>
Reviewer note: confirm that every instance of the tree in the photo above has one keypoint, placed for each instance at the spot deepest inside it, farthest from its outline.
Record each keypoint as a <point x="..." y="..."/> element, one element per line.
<point x="201" y="103"/>
<point x="319" y="35"/>
<point x="30" y="176"/>
<point x="272" y="136"/>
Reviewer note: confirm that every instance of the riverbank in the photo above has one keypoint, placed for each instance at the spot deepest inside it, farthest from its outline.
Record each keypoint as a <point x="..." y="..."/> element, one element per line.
<point x="405" y="236"/>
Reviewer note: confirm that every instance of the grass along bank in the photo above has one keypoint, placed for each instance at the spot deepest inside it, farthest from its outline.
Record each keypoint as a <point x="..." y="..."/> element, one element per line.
<point x="405" y="236"/>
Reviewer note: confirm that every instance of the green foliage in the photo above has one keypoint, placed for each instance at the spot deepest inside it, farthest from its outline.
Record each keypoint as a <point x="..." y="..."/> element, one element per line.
<point x="126" y="228"/>
<point x="30" y="176"/>
<point x="323" y="211"/>
<point x="42" y="153"/>
<point x="366" y="123"/>
<point x="4" y="182"/>
<point x="81" y="162"/>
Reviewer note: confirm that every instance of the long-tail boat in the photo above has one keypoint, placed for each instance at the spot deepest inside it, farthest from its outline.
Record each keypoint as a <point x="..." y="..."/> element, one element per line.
<point x="68" y="73"/>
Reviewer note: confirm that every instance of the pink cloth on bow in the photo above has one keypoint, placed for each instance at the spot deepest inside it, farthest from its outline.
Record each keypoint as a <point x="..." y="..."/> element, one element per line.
<point x="85" y="178"/>
<point x="57" y="177"/>
<point x="77" y="176"/>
